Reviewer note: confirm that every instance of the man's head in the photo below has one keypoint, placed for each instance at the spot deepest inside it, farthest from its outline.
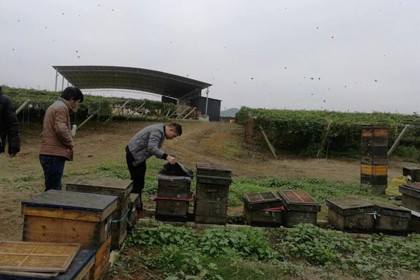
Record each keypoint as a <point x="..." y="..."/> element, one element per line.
<point x="173" y="130"/>
<point x="73" y="95"/>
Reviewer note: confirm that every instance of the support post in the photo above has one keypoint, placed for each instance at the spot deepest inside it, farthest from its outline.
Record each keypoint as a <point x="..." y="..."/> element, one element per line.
<point x="324" y="140"/>
<point x="119" y="109"/>
<point x="186" y="116"/>
<point x="21" y="107"/>
<point x="56" y="76"/>
<point x="397" y="141"/>
<point x="270" y="146"/>
<point x="85" y="121"/>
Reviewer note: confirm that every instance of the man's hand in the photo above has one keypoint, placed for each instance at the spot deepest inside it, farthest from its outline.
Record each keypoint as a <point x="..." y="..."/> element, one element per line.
<point x="171" y="159"/>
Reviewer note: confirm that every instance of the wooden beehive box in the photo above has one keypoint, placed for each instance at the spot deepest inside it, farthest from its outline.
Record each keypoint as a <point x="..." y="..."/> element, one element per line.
<point x="411" y="196"/>
<point x="263" y="209"/>
<point x="109" y="186"/>
<point x="172" y="209"/>
<point x="300" y="208"/>
<point x="173" y="197"/>
<point x="102" y="263"/>
<point x="132" y="218"/>
<point x="412" y="172"/>
<point x="391" y="218"/>
<point x="170" y="186"/>
<point x="212" y="189"/>
<point x="106" y="186"/>
<point x="414" y="222"/>
<point x="209" y="169"/>
<point x="350" y="213"/>
<point x="72" y="217"/>
<point x="211" y="204"/>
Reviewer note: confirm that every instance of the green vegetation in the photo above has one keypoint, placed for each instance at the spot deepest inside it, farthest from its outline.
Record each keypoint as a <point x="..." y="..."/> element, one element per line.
<point x="310" y="133"/>
<point x="103" y="106"/>
<point x="249" y="253"/>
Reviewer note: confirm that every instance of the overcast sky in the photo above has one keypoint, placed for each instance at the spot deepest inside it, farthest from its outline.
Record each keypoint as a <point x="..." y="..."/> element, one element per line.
<point x="336" y="55"/>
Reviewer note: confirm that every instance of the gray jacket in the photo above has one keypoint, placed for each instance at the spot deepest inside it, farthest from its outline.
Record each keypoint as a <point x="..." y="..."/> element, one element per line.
<point x="147" y="143"/>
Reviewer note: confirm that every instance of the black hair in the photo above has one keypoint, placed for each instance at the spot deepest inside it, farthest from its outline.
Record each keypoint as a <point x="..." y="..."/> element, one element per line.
<point x="72" y="93"/>
<point x="177" y="127"/>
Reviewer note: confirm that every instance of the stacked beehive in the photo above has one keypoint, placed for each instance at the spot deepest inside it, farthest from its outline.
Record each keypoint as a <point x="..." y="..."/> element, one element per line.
<point x="72" y="217"/>
<point x="212" y="188"/>
<point x="114" y="187"/>
<point x="173" y="197"/>
<point x="374" y="164"/>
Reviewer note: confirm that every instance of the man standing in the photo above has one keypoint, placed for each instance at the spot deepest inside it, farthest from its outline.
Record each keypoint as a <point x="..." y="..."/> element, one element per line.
<point x="144" y="144"/>
<point x="56" y="138"/>
<point x="9" y="126"/>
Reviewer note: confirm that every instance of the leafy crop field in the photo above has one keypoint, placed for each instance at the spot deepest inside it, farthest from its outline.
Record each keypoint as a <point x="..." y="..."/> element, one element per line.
<point x="326" y="133"/>
<point x="161" y="251"/>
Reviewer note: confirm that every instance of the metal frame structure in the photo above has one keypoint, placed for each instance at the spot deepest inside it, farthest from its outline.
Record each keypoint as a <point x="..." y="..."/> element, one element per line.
<point x="115" y="77"/>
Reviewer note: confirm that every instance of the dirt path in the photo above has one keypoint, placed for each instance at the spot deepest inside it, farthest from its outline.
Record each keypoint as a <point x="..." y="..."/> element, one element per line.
<point x="219" y="143"/>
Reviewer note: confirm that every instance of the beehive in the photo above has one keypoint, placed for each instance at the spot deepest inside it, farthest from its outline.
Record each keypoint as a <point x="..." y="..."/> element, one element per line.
<point x="73" y="217"/>
<point x="411" y="196"/>
<point x="300" y="207"/>
<point x="263" y="209"/>
<point x="374" y="163"/>
<point x="412" y="172"/>
<point x="391" y="218"/>
<point x="173" y="197"/>
<point x="350" y="213"/>
<point x="109" y="186"/>
<point x="414" y="222"/>
<point x="212" y="189"/>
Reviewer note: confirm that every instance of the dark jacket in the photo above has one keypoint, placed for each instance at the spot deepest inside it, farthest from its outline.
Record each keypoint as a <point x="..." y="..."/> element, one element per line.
<point x="9" y="126"/>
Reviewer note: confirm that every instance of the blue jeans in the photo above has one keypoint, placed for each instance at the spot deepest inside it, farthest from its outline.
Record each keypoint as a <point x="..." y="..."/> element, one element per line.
<point x="53" y="167"/>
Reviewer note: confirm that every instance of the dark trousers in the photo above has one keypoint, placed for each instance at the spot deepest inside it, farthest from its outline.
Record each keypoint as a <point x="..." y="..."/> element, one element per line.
<point x="53" y="167"/>
<point x="137" y="174"/>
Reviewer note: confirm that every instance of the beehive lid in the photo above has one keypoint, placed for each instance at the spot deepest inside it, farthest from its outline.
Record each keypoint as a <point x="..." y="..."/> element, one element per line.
<point x="67" y="200"/>
<point x="166" y="177"/>
<point x="350" y="205"/>
<point x="391" y="210"/>
<point x="299" y="201"/>
<point x="176" y="169"/>
<point x="210" y="169"/>
<point x="101" y="185"/>
<point x="261" y="200"/>
<point x="411" y="189"/>
<point x="36" y="256"/>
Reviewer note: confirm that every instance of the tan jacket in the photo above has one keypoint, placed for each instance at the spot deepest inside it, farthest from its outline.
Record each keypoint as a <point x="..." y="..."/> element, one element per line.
<point x="56" y="139"/>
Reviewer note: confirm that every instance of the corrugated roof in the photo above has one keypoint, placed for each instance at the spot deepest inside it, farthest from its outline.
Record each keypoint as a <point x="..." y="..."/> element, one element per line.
<point x="89" y="77"/>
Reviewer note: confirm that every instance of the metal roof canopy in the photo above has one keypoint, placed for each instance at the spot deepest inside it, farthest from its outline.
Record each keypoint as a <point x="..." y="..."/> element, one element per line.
<point x="96" y="77"/>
